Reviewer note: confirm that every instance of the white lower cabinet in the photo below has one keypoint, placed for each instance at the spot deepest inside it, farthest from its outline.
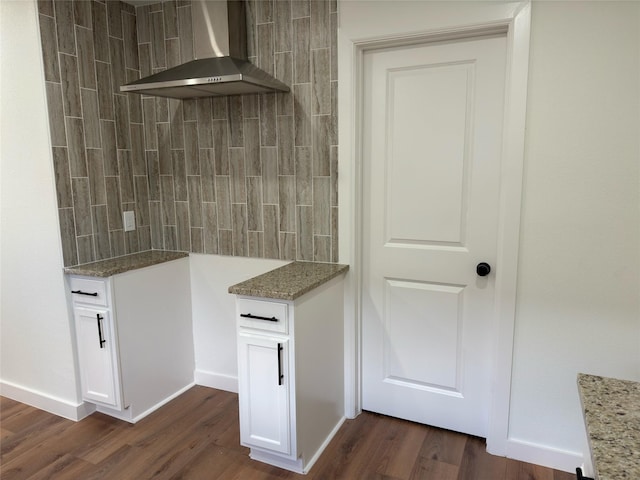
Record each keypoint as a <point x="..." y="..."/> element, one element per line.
<point x="134" y="338"/>
<point x="290" y="375"/>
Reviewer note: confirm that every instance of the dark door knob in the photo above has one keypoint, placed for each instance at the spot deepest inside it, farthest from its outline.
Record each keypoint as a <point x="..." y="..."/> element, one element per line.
<point x="483" y="269"/>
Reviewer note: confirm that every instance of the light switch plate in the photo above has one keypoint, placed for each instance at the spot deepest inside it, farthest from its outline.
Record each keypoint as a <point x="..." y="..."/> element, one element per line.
<point x="129" y="220"/>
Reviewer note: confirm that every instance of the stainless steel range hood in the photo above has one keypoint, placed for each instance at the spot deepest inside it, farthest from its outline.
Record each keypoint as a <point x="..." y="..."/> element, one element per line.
<point x="221" y="67"/>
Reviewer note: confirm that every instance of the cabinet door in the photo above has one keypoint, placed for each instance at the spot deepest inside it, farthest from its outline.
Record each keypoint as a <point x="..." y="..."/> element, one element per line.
<point x="263" y="383"/>
<point x="97" y="357"/>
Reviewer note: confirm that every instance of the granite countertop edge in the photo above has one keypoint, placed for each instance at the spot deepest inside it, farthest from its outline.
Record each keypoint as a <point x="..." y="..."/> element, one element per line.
<point x="290" y="281"/>
<point x="125" y="263"/>
<point x="611" y="409"/>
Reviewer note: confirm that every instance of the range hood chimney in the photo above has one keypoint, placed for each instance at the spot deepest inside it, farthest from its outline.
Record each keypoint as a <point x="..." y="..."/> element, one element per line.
<point x="221" y="66"/>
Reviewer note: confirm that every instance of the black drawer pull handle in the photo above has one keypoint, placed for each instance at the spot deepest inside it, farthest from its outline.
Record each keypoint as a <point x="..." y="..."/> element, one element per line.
<point x="258" y="317"/>
<point x="280" y="374"/>
<point x="100" y="337"/>
<point x="80" y="292"/>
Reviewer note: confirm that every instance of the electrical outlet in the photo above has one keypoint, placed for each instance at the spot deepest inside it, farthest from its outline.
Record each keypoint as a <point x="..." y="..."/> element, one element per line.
<point x="129" y="220"/>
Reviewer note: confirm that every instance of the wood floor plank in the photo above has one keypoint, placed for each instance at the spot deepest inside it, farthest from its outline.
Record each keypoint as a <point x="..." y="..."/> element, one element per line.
<point x="9" y="407"/>
<point x="443" y="446"/>
<point x="214" y="462"/>
<point x="106" y="468"/>
<point x="171" y="446"/>
<point x="227" y="432"/>
<point x="28" y="435"/>
<point x="67" y="467"/>
<point x="150" y="456"/>
<point x="114" y="433"/>
<point x="23" y="420"/>
<point x="558" y="475"/>
<point x="477" y="464"/>
<point x="404" y="441"/>
<point x="196" y="437"/>
<point x="375" y="476"/>
<point x="118" y="431"/>
<point x="5" y="403"/>
<point x="354" y="455"/>
<point x="174" y="459"/>
<point x="4" y="434"/>
<point x="428" y="469"/>
<point x="527" y="471"/>
<point x="47" y="447"/>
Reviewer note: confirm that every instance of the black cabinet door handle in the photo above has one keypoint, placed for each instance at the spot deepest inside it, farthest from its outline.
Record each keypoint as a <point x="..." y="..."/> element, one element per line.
<point x="100" y="337"/>
<point x="258" y="317"/>
<point x="80" y="292"/>
<point x="280" y="374"/>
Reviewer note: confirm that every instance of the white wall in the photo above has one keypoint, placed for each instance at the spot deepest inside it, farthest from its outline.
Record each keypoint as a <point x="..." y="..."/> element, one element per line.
<point x="214" y="312"/>
<point x="578" y="304"/>
<point x="36" y="360"/>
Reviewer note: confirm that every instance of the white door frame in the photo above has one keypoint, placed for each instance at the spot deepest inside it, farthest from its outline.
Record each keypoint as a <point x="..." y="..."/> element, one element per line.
<point x="367" y="25"/>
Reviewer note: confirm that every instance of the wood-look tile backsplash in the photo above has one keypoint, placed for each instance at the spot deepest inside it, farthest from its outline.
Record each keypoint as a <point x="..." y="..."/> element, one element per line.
<point x="251" y="175"/>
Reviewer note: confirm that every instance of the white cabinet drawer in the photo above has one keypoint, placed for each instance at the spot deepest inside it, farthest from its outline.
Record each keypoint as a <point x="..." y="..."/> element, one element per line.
<point x="89" y="291"/>
<point x="263" y="315"/>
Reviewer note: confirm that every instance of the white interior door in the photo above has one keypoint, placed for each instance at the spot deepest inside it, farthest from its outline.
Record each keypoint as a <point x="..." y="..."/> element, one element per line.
<point x="432" y="136"/>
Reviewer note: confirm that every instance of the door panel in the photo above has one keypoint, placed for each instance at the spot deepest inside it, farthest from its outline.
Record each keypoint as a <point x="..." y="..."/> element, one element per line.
<point x="96" y="353"/>
<point x="431" y="180"/>
<point x="430" y="353"/>
<point x="264" y="398"/>
<point x="429" y="108"/>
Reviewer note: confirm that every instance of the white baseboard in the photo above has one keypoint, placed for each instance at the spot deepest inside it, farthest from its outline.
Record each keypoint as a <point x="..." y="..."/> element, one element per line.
<point x="127" y="414"/>
<point x="324" y="445"/>
<point x="216" y="380"/>
<point x="163" y="402"/>
<point x="57" y="406"/>
<point x="544" y="455"/>
<point x="298" y="465"/>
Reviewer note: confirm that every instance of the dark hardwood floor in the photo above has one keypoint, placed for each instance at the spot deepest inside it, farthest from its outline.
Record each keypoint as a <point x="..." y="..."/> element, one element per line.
<point x="196" y="437"/>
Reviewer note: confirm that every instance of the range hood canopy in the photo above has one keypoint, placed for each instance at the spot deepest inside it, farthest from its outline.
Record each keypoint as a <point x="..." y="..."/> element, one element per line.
<point x="221" y="67"/>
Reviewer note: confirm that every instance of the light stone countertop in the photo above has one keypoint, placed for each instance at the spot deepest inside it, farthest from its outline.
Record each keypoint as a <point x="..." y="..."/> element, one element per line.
<point x="611" y="410"/>
<point x="114" y="266"/>
<point x="290" y="281"/>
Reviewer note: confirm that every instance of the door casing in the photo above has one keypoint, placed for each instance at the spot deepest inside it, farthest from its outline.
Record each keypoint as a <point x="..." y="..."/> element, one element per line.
<point x="446" y="22"/>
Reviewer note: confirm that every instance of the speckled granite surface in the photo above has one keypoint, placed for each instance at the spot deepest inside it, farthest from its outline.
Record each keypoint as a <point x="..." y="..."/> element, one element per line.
<point x="114" y="266"/>
<point x="611" y="410"/>
<point x="290" y="281"/>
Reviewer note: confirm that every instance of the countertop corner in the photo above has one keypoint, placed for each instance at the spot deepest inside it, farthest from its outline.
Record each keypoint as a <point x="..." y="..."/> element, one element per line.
<point x="290" y="281"/>
<point x="611" y="409"/>
<point x="114" y="266"/>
